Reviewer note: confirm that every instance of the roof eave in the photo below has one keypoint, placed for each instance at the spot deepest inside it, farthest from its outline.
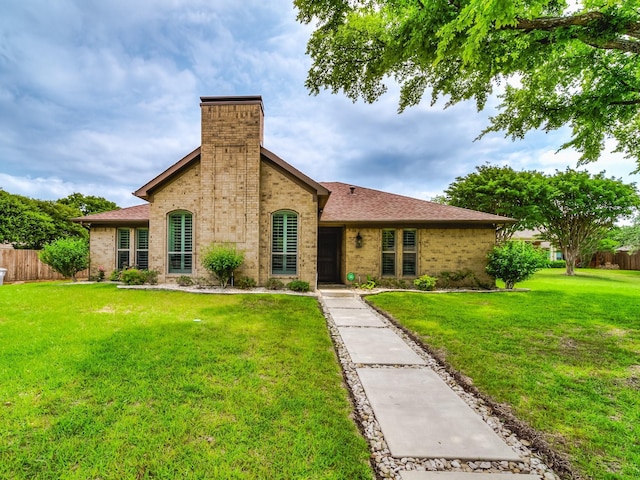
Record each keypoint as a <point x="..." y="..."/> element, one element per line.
<point x="399" y="221"/>
<point x="145" y="191"/>
<point x="322" y="192"/>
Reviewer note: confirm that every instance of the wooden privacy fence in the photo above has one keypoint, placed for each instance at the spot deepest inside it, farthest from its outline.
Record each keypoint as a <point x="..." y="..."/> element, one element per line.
<point x="24" y="265"/>
<point x="623" y="259"/>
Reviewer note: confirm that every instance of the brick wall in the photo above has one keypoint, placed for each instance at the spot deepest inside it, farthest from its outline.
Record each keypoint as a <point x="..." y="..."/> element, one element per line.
<point x="182" y="193"/>
<point x="439" y="250"/>
<point x="455" y="249"/>
<point x="366" y="260"/>
<point x="102" y="245"/>
<point x="279" y="191"/>
<point x="232" y="194"/>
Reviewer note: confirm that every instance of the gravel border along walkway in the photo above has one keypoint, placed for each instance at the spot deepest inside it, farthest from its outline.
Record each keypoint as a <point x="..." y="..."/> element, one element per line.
<point x="387" y="466"/>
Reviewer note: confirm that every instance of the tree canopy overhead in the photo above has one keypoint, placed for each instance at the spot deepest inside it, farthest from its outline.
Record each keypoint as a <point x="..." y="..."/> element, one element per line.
<point x="561" y="63"/>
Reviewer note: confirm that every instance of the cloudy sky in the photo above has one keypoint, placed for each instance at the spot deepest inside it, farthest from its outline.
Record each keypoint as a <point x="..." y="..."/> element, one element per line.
<point x="99" y="96"/>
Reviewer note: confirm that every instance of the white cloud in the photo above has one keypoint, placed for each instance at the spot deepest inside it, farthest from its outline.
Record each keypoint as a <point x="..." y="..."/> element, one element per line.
<point x="99" y="97"/>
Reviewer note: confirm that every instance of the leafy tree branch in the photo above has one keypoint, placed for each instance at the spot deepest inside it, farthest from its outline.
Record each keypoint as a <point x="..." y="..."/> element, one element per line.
<point x="557" y="65"/>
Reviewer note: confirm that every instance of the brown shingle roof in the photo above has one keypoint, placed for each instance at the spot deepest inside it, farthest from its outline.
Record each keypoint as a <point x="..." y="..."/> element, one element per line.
<point x="131" y="215"/>
<point x="348" y="203"/>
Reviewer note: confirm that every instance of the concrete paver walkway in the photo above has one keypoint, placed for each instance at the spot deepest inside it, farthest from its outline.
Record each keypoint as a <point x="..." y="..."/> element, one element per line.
<point x="419" y="415"/>
<point x="378" y="346"/>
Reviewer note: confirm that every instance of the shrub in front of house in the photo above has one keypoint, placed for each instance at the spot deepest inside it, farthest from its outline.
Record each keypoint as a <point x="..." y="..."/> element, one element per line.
<point x="221" y="261"/>
<point x="274" y="284"/>
<point x="298" y="286"/>
<point x="425" y="282"/>
<point x="245" y="283"/>
<point x="184" y="281"/>
<point x="514" y="262"/>
<point x="133" y="276"/>
<point x="457" y="279"/>
<point x="151" y="277"/>
<point x="67" y="256"/>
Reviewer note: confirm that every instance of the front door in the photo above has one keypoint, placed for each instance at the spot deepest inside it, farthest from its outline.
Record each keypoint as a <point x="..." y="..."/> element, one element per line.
<point x="329" y="254"/>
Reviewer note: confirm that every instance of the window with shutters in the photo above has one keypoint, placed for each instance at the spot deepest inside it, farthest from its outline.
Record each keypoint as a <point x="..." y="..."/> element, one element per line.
<point x="284" y="244"/>
<point x="180" y="242"/>
<point x="124" y="247"/>
<point x="409" y="253"/>
<point x="142" y="248"/>
<point x="388" y="252"/>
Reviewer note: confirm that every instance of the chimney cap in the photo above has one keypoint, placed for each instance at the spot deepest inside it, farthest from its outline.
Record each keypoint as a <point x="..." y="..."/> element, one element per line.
<point x="232" y="99"/>
<point x="352" y="189"/>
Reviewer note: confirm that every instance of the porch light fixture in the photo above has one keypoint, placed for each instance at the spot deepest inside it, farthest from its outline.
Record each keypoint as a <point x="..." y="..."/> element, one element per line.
<point x="358" y="240"/>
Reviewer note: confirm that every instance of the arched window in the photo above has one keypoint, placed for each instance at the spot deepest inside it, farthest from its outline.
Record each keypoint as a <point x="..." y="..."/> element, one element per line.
<point x="180" y="244"/>
<point x="284" y="243"/>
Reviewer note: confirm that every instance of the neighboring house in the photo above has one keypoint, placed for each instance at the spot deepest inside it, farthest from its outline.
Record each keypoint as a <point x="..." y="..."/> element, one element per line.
<point x="533" y="237"/>
<point x="233" y="190"/>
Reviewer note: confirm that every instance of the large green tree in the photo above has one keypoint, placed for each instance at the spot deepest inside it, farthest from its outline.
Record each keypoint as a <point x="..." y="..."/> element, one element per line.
<point x="22" y="224"/>
<point x="88" y="204"/>
<point x="30" y="223"/>
<point x="574" y="210"/>
<point x="560" y="62"/>
<point x="577" y="208"/>
<point x="500" y="191"/>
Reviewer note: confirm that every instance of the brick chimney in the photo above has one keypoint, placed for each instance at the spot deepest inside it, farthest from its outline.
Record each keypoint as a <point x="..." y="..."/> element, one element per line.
<point x="232" y="134"/>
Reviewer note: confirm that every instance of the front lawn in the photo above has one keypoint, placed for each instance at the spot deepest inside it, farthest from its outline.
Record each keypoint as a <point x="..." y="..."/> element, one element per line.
<point x="97" y="382"/>
<point x="565" y="356"/>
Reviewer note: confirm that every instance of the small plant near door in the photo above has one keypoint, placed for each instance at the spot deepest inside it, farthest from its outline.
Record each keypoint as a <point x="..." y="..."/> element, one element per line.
<point x="370" y="284"/>
<point x="221" y="261"/>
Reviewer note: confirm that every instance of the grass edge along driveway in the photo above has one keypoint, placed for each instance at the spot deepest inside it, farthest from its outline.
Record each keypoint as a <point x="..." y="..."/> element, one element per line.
<point x="97" y="382"/>
<point x="565" y="356"/>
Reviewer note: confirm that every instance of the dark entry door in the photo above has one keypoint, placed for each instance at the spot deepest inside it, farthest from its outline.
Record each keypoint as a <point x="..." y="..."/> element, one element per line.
<point x="329" y="253"/>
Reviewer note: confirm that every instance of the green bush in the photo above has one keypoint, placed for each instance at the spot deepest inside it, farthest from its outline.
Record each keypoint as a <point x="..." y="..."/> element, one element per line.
<point x="457" y="279"/>
<point x="115" y="276"/>
<point x="222" y="261"/>
<point x="184" y="281"/>
<point x="245" y="283"/>
<point x="558" y="264"/>
<point x="133" y="276"/>
<point x="425" y="282"/>
<point x="298" y="286"/>
<point x="67" y="256"/>
<point x="150" y="277"/>
<point x="515" y="261"/>
<point x="274" y="284"/>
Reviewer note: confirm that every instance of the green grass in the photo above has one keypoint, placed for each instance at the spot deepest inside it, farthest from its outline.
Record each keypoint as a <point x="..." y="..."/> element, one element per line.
<point x="97" y="382"/>
<point x="565" y="356"/>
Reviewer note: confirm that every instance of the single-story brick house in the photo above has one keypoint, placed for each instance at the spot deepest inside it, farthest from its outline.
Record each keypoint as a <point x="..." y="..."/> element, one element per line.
<point x="233" y="190"/>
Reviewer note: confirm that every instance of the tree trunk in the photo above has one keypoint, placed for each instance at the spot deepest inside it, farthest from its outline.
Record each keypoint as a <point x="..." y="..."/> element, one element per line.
<point x="570" y="256"/>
